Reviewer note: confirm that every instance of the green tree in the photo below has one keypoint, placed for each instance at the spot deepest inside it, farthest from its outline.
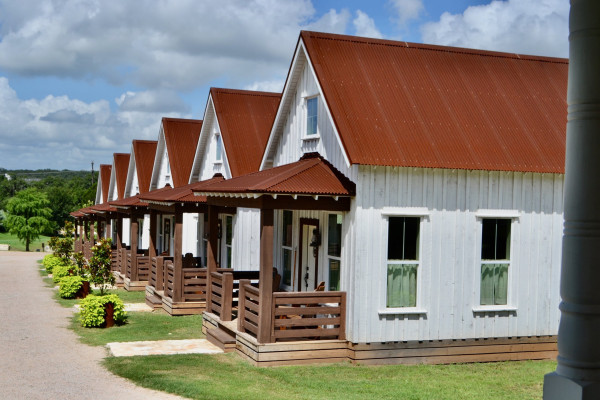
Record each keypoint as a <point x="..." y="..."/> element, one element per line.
<point x="2" y="220"/>
<point x="28" y="215"/>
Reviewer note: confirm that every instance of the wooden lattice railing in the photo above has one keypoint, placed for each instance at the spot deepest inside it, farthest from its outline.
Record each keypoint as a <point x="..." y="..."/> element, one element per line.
<point x="194" y="284"/>
<point x="157" y="273"/>
<point x="128" y="265"/>
<point x="114" y="260"/>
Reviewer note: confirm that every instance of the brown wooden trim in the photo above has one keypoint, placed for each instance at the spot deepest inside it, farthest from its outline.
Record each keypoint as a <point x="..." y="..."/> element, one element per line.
<point x="284" y="203"/>
<point x="307" y="221"/>
<point x="266" y="276"/>
<point x="177" y="260"/>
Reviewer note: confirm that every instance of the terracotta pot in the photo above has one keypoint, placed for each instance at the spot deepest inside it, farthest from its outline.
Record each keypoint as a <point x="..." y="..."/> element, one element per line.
<point x="83" y="291"/>
<point x="109" y="315"/>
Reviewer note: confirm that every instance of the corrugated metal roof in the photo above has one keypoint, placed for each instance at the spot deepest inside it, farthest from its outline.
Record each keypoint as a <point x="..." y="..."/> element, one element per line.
<point x="104" y="207"/>
<point x="312" y="175"/>
<point x="181" y="138"/>
<point x="144" y="152"/>
<point x="105" y="170"/>
<point x="121" y="164"/>
<point x="135" y="201"/>
<point x="414" y="105"/>
<point x="181" y="194"/>
<point x="245" y="118"/>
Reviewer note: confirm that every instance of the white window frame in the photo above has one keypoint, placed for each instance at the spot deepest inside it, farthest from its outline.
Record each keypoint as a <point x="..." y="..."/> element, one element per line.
<point x="224" y="245"/>
<point x="305" y="135"/>
<point x="327" y="256"/>
<point x="281" y="248"/>
<point x="415" y="212"/>
<point x="218" y="148"/>
<point x="510" y="306"/>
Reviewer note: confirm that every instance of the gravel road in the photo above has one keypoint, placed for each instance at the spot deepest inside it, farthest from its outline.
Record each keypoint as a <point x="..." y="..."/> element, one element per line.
<point x="40" y="358"/>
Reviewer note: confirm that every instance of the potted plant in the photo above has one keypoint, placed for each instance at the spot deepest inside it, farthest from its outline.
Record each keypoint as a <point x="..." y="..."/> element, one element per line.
<point x="102" y="311"/>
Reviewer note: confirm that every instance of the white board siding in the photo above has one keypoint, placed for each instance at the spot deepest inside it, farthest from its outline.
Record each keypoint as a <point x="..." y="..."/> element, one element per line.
<point x="291" y="145"/>
<point x="245" y="245"/>
<point x="450" y="246"/>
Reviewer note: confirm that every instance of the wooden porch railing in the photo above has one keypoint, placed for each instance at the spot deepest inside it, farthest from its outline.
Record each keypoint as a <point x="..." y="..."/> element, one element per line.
<point x="296" y="315"/>
<point x="114" y="260"/>
<point x="143" y="268"/>
<point x="225" y="291"/>
<point x="157" y="272"/>
<point x="169" y="278"/>
<point x="123" y="261"/>
<point x="194" y="284"/>
<point x="128" y="266"/>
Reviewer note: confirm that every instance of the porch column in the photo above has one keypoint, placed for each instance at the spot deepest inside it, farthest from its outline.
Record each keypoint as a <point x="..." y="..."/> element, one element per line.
<point x="100" y="229"/>
<point x="152" y="242"/>
<point x="119" y="223"/>
<point x="92" y="233"/>
<point x="177" y="259"/>
<point x="577" y="374"/>
<point x="133" y="237"/>
<point x="211" y="250"/>
<point x="265" y="286"/>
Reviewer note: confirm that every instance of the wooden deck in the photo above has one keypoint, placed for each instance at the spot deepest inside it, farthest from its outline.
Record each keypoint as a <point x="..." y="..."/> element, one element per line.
<point x="337" y="350"/>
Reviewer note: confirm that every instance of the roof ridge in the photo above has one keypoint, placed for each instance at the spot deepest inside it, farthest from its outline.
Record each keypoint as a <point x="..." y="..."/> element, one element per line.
<point x="188" y="120"/>
<point x="434" y="47"/>
<point x="246" y="92"/>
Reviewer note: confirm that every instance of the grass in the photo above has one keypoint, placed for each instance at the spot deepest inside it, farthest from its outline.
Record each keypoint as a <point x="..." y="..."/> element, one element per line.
<point x="17" y="245"/>
<point x="226" y="376"/>
<point x="156" y="325"/>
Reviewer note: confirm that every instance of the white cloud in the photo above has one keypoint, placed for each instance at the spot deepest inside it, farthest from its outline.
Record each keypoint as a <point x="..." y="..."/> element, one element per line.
<point x="406" y="10"/>
<point x="152" y="101"/>
<point x="266" y="86"/>
<point x="365" y="26"/>
<point x="518" y="26"/>
<point x="177" y="45"/>
<point x="59" y="132"/>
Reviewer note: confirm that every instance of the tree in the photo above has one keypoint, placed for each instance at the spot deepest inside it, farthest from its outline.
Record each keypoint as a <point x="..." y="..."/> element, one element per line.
<point x="2" y="220"/>
<point x="28" y="215"/>
<point x="100" y="265"/>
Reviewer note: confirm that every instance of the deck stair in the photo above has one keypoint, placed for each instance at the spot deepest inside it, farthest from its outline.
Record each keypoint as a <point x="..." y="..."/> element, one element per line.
<point x="221" y="337"/>
<point x="153" y="300"/>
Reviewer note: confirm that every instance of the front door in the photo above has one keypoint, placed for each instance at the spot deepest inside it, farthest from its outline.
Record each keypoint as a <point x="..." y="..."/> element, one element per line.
<point x="307" y="277"/>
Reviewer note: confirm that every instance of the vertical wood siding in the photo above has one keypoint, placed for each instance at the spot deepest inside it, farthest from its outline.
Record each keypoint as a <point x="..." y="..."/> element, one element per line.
<point x="450" y="248"/>
<point x="245" y="246"/>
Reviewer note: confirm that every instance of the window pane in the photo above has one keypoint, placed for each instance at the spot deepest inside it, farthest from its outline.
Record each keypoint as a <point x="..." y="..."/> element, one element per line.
<point x="228" y="229"/>
<point x="503" y="239"/>
<point x="334" y="274"/>
<point x="219" y="148"/>
<point x="286" y="277"/>
<point x="287" y="229"/>
<point x="228" y="265"/>
<point x="403" y="238"/>
<point x="487" y="285"/>
<point x="495" y="239"/>
<point x="494" y="284"/>
<point x="334" y="236"/>
<point x="401" y="285"/>
<point x="311" y="120"/>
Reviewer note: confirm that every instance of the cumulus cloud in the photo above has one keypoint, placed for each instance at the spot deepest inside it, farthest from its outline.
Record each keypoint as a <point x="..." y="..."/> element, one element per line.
<point x="60" y="132"/>
<point x="365" y="26"/>
<point x="406" y="10"/>
<point x="152" y="101"/>
<point x="518" y="26"/>
<point x="267" y="86"/>
<point x="176" y="45"/>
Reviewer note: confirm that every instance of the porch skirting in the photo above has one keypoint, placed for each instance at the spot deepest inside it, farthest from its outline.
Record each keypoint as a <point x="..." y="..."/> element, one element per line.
<point x="411" y="352"/>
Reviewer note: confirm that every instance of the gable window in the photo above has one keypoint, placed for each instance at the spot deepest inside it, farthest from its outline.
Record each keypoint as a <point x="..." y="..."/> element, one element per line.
<point x="334" y="250"/>
<point x="312" y="106"/>
<point x="495" y="260"/>
<point x="402" y="261"/>
<point x="219" y="148"/>
<point x="286" y="247"/>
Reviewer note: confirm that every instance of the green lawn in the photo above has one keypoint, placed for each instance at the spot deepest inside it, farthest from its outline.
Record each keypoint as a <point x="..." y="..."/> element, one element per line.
<point x="157" y="325"/>
<point x="16" y="245"/>
<point x="226" y="376"/>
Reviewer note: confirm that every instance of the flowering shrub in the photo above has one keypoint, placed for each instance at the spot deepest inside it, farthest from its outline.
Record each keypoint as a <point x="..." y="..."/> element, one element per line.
<point x="69" y="286"/>
<point x="92" y="313"/>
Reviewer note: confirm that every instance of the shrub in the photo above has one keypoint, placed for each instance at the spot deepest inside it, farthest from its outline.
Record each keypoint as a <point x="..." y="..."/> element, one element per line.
<point x="60" y="271"/>
<point x="63" y="246"/>
<point x="100" y="265"/>
<point x="80" y="264"/>
<point x="92" y="312"/>
<point x="69" y="286"/>
<point x="50" y="261"/>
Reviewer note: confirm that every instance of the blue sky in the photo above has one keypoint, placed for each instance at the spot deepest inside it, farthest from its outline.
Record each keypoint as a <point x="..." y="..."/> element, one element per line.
<point x="80" y="79"/>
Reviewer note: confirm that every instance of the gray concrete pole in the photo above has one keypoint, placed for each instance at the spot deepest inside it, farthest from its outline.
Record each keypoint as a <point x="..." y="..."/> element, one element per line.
<point x="577" y="374"/>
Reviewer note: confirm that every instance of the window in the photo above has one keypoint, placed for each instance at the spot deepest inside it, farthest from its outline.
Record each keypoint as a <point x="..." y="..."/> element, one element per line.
<point x="402" y="261"/>
<point x="228" y="239"/>
<point x="334" y="249"/>
<point x="311" y="115"/>
<point x="286" y="247"/>
<point x="219" y="148"/>
<point x="205" y="240"/>
<point x="495" y="260"/>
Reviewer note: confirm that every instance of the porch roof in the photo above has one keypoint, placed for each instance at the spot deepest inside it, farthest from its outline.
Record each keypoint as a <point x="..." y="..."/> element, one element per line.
<point x="136" y="201"/>
<point x="103" y="208"/>
<point x="181" y="194"/>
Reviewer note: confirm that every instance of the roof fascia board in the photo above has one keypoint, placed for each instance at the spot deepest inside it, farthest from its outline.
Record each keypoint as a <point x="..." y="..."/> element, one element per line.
<point x="202" y="140"/>
<point x="130" y="171"/>
<point x="285" y="99"/>
<point x="158" y="157"/>
<point x="99" y="189"/>
<point x="112" y="183"/>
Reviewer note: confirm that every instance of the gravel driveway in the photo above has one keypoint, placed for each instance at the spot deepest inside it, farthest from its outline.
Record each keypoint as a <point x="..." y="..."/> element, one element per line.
<point x="40" y="358"/>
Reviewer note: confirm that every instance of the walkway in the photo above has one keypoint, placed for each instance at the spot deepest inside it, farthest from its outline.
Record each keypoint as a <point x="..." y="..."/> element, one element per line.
<point x="40" y="358"/>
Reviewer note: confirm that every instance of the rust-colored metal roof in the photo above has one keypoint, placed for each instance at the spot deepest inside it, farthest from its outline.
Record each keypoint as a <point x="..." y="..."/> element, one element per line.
<point x="312" y="175"/>
<point x="181" y="194"/>
<point x="135" y="201"/>
<point x="104" y="207"/>
<point x="245" y="119"/>
<point x="105" y="170"/>
<point x="405" y="104"/>
<point x="76" y="214"/>
<point x="121" y="164"/>
<point x="144" y="152"/>
<point x="181" y="138"/>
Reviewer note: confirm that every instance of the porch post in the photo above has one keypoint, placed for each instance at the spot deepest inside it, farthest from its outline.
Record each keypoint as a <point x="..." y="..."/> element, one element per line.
<point x="100" y="229"/>
<point x="152" y="243"/>
<point x="577" y="374"/>
<point x="133" y="237"/>
<point x="92" y="232"/>
<point x="178" y="261"/>
<point x="265" y="286"/>
<point x="119" y="223"/>
<point x="211" y="250"/>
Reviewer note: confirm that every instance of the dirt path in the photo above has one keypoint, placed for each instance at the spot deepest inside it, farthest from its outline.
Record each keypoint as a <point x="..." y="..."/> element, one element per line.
<point x="40" y="358"/>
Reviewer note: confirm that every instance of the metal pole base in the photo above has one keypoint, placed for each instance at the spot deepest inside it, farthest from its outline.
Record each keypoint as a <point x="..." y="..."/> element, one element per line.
<point x="559" y="387"/>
